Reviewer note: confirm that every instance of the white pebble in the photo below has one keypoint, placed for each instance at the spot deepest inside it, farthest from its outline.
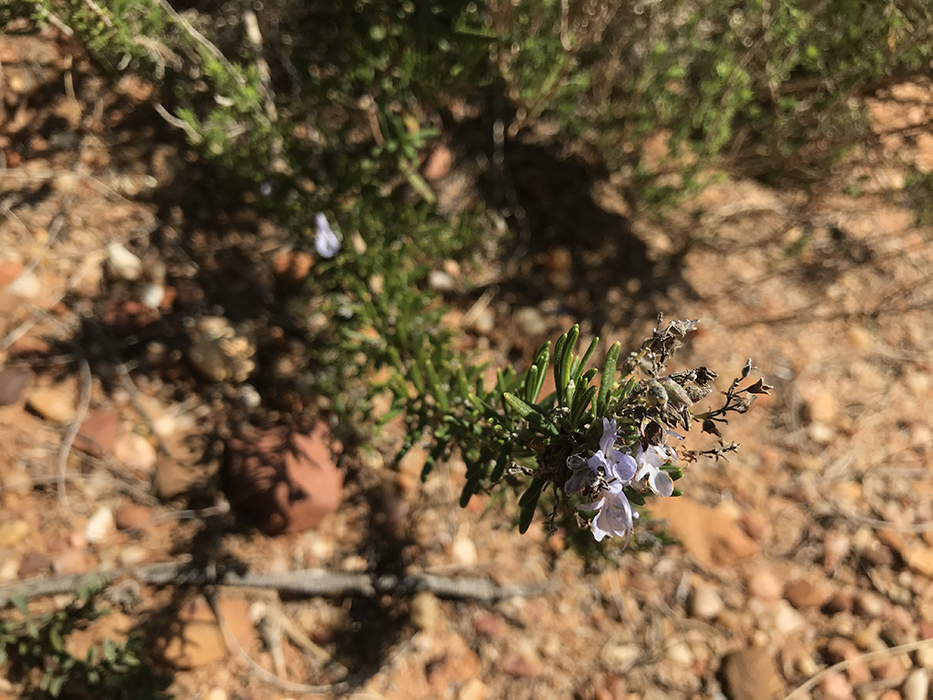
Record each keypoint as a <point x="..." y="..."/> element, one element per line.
<point x="464" y="551"/>
<point x="786" y="618"/>
<point x="123" y="263"/>
<point x="441" y="281"/>
<point x="706" y="603"/>
<point x="917" y="685"/>
<point x="99" y="525"/>
<point x="152" y="295"/>
<point x="26" y="286"/>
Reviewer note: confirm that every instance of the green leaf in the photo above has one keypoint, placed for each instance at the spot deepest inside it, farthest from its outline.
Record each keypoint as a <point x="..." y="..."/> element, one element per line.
<point x="501" y="463"/>
<point x="436" y="453"/>
<point x="20" y="602"/>
<point x="531" y="381"/>
<point x="528" y="502"/>
<point x="581" y="402"/>
<point x="625" y="389"/>
<point x="608" y="379"/>
<point x="565" y="361"/>
<point x="440" y="393"/>
<point x="580" y="365"/>
<point x="538" y="421"/>
<point x="55" y="638"/>
<point x="558" y="356"/>
<point x="470" y="488"/>
<point x="587" y="377"/>
<point x="462" y="382"/>
<point x="541" y="360"/>
<point x="519" y="406"/>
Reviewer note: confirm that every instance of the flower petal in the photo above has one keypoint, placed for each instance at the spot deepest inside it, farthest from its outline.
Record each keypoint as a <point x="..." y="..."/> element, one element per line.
<point x="661" y="483"/>
<point x="609" y="435"/>
<point x="325" y="242"/>
<point x="623" y="467"/>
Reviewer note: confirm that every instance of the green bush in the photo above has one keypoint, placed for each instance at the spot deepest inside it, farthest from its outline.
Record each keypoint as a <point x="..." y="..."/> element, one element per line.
<point x="34" y="650"/>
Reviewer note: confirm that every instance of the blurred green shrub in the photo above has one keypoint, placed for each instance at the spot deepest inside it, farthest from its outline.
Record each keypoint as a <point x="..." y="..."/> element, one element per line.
<point x="34" y="650"/>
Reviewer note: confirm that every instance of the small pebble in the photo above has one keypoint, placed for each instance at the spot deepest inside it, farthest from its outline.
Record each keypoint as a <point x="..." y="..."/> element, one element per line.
<point x="464" y="551"/>
<point x="764" y="585"/>
<point x="55" y="404"/>
<point x="804" y="593"/>
<point x="484" y="322"/>
<point x="152" y="295"/>
<point x="836" y="547"/>
<point x="619" y="658"/>
<point x="707" y="603"/>
<point x="438" y="163"/>
<point x="135" y="452"/>
<point x="132" y="555"/>
<point x="123" y="263"/>
<point x="12" y="384"/>
<point x="33" y="564"/>
<point x="250" y="396"/>
<point x="917" y="685"/>
<point x="425" y="611"/>
<point x="441" y="281"/>
<point x="868" y="604"/>
<point x="473" y="689"/>
<point x="835" y="686"/>
<point x="26" y="286"/>
<point x="131" y="515"/>
<point x="786" y="619"/>
<point x="925" y="658"/>
<point x="71" y="561"/>
<point x="680" y="654"/>
<point x="12" y="533"/>
<point x="99" y="526"/>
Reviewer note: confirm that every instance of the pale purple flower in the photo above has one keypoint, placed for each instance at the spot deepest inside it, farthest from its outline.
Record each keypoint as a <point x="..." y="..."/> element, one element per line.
<point x="615" y="516"/>
<point x="607" y="472"/>
<point x="649" y="463"/>
<point x="325" y="242"/>
<point x="616" y="464"/>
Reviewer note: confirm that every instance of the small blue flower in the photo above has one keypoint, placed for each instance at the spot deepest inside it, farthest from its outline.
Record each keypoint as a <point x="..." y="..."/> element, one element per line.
<point x="649" y="463"/>
<point x="615" y="516"/>
<point x="325" y="242"/>
<point x="617" y="464"/>
<point x="607" y="472"/>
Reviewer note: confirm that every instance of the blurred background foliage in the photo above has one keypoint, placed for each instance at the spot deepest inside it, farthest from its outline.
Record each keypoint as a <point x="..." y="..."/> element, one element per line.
<point x="333" y="107"/>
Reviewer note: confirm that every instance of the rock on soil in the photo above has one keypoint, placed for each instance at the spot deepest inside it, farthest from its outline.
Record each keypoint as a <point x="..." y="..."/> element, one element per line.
<point x="12" y="384"/>
<point x="55" y="404"/>
<point x="123" y="263"/>
<point x="135" y="452"/>
<point x="750" y="674"/>
<point x="804" y="593"/>
<point x="98" y="433"/>
<point x="283" y="480"/>
<point x="196" y="639"/>
<point x="219" y="353"/>
<point x="917" y="685"/>
<point x="711" y="536"/>
<point x="707" y="603"/>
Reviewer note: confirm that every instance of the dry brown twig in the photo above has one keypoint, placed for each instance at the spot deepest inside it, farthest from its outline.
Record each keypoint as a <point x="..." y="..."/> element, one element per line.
<point x="306" y="582"/>
<point x="83" y="405"/>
